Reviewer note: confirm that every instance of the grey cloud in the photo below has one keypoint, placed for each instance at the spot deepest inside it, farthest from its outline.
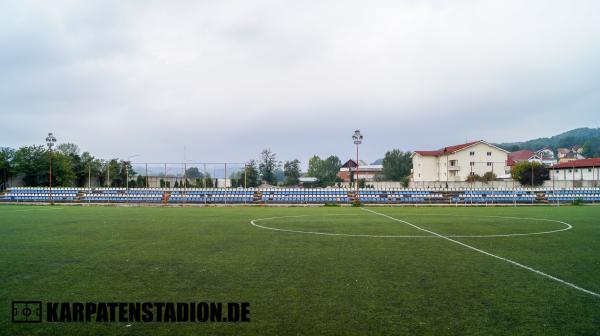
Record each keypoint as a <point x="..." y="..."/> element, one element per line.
<point x="228" y="78"/>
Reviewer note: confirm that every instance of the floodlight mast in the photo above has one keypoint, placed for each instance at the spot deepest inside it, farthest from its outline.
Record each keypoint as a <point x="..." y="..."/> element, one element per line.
<point x="357" y="137"/>
<point x="50" y="141"/>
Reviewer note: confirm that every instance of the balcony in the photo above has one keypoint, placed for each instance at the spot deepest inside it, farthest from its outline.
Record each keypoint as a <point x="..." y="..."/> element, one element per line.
<point x="453" y="168"/>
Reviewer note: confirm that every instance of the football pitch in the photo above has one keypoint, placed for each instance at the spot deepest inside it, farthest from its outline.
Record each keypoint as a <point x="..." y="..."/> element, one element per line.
<point x="311" y="270"/>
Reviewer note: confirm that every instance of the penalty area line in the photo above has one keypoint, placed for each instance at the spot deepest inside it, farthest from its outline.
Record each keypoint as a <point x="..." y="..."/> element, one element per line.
<point x="572" y="285"/>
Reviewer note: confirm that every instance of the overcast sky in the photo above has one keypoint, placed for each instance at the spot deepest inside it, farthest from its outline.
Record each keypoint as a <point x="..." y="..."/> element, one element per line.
<point x="229" y="78"/>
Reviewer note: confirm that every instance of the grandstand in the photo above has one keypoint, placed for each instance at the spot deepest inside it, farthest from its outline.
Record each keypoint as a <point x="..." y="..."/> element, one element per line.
<point x="301" y="195"/>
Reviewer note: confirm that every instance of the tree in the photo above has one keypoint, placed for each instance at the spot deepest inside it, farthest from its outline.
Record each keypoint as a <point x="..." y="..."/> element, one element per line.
<point x="119" y="171"/>
<point x="249" y="175"/>
<point x="7" y="156"/>
<point x="208" y="181"/>
<point x="591" y="148"/>
<point x="291" y="170"/>
<point x="193" y="173"/>
<point x="140" y="182"/>
<point x="112" y="172"/>
<point x="62" y="170"/>
<point x="268" y="164"/>
<point x="324" y="170"/>
<point x="68" y="149"/>
<point x="32" y="163"/>
<point x="315" y="168"/>
<point x="397" y="165"/>
<point x="523" y="172"/>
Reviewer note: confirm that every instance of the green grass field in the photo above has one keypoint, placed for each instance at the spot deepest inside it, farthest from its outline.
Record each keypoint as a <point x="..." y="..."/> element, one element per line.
<point x="308" y="283"/>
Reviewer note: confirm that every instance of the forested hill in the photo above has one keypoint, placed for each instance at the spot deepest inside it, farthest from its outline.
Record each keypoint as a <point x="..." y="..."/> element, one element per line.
<point x="578" y="136"/>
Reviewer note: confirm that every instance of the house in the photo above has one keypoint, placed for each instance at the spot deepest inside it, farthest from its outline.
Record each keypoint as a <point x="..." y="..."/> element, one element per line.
<point x="540" y="156"/>
<point x="570" y="156"/>
<point x="576" y="170"/>
<point x="458" y="162"/>
<point x="520" y="156"/>
<point x="546" y="155"/>
<point x="365" y="171"/>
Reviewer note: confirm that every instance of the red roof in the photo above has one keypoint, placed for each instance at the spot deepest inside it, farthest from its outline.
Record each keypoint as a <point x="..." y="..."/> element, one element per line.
<point x="593" y="162"/>
<point x="448" y="150"/>
<point x="518" y="156"/>
<point x="349" y="164"/>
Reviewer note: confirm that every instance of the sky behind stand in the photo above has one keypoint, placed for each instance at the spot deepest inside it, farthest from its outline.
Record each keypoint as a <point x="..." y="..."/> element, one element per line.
<point x="226" y="79"/>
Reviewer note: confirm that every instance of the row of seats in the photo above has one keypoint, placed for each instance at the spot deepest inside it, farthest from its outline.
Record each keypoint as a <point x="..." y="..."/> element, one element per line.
<point x="493" y="199"/>
<point x="572" y="192"/>
<point x="302" y="200"/>
<point x="302" y="192"/>
<point x="214" y="192"/>
<point x="212" y="199"/>
<point x="584" y="197"/>
<point x="147" y="198"/>
<point x="40" y="197"/>
<point x="497" y="192"/>
<point x="41" y="191"/>
<point x="386" y="200"/>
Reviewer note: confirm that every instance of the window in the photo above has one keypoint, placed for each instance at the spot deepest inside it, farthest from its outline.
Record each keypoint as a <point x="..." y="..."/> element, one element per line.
<point x="557" y="171"/>
<point x="472" y="163"/>
<point x="577" y="170"/>
<point x="489" y="164"/>
<point x="489" y="153"/>
<point x="472" y="153"/>
<point x="570" y="170"/>
<point x="589" y="170"/>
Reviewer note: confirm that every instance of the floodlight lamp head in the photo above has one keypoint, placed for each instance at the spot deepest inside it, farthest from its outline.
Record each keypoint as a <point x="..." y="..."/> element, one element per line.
<point x="357" y="137"/>
<point x="50" y="140"/>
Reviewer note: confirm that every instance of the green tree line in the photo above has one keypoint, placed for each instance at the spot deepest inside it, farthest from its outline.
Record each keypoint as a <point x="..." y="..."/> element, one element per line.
<point x="69" y="167"/>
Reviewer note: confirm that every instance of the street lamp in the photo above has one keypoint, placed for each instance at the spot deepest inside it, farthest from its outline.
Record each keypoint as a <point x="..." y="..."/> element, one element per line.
<point x="127" y="163"/>
<point x="50" y="141"/>
<point x="357" y="137"/>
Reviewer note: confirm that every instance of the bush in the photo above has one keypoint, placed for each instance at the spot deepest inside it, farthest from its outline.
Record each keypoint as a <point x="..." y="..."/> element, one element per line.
<point x="578" y="201"/>
<point x="331" y="204"/>
<point x="356" y="203"/>
<point x="489" y="176"/>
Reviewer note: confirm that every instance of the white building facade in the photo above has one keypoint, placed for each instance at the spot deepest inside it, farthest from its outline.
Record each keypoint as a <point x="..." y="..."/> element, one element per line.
<point x="578" y="170"/>
<point x="457" y="163"/>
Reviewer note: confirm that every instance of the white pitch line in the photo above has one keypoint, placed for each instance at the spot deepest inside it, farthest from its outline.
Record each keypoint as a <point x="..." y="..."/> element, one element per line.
<point x="568" y="227"/>
<point x="489" y="254"/>
<point x="253" y="222"/>
<point x="11" y="210"/>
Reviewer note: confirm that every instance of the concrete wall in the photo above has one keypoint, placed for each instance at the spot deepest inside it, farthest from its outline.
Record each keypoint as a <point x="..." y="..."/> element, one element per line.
<point x="505" y="184"/>
<point x="381" y="184"/>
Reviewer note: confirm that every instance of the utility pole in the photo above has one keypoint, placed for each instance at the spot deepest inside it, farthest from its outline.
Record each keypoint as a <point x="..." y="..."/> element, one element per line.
<point x="357" y="137"/>
<point x="50" y="141"/>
